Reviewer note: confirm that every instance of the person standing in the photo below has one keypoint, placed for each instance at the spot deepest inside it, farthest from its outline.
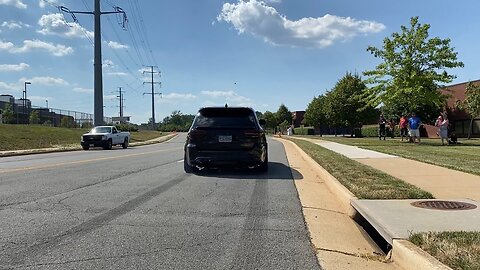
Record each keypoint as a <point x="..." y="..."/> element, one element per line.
<point x="414" y="123"/>
<point x="381" y="127"/>
<point x="403" y="125"/>
<point x="391" y="128"/>
<point x="442" y="124"/>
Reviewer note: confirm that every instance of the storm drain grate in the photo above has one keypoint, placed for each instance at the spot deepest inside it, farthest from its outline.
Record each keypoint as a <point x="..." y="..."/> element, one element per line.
<point x="444" y="205"/>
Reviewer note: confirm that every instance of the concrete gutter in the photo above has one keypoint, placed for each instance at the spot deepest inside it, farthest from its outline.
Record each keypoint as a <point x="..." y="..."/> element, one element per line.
<point x="77" y="147"/>
<point x="404" y="253"/>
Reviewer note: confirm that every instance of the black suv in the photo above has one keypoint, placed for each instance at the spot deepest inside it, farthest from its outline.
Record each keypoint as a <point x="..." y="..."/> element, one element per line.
<point x="226" y="136"/>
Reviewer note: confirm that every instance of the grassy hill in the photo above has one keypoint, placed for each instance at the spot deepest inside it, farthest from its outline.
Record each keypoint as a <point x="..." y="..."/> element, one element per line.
<point x="19" y="137"/>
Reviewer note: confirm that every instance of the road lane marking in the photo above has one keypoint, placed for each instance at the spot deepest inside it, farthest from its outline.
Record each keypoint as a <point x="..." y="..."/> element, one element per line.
<point x="180" y="161"/>
<point x="47" y="166"/>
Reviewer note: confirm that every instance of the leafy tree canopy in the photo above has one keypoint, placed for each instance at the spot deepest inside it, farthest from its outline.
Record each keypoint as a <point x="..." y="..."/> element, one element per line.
<point x="315" y="112"/>
<point x="283" y="114"/>
<point x="413" y="67"/>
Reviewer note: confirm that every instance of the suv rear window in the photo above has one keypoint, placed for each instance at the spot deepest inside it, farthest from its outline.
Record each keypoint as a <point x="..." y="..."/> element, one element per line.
<point x="225" y="118"/>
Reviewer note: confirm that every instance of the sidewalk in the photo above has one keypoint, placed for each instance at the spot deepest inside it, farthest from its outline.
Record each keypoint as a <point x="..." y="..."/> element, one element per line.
<point x="443" y="183"/>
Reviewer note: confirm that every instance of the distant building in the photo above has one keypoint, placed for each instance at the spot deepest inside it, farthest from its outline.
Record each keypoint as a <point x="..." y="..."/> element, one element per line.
<point x="460" y="119"/>
<point x="297" y="118"/>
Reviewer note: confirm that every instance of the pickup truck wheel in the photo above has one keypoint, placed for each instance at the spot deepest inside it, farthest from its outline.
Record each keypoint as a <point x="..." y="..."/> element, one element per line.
<point x="125" y="143"/>
<point x="108" y="145"/>
<point x="85" y="147"/>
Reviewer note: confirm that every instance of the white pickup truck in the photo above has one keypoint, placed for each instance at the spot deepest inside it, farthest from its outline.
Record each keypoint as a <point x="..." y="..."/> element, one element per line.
<point x="106" y="137"/>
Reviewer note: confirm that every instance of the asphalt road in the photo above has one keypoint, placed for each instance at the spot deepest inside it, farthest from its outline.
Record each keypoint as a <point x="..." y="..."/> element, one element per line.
<point x="135" y="208"/>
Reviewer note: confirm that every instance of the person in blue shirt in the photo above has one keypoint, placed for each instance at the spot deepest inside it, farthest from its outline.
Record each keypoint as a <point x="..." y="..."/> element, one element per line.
<point x="414" y="123"/>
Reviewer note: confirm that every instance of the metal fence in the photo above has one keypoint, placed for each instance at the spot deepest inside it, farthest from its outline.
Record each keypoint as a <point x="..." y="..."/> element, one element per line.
<point x="52" y="116"/>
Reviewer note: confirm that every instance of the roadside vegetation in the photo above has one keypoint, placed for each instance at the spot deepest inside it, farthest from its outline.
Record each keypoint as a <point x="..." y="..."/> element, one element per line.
<point x="458" y="250"/>
<point x="463" y="157"/>
<point x="363" y="181"/>
<point x="21" y="137"/>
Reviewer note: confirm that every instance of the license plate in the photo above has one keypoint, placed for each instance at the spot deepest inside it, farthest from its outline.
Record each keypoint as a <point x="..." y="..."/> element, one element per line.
<point x="224" y="139"/>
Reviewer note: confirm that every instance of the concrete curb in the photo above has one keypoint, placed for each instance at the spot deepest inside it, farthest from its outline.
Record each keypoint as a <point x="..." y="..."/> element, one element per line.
<point x="77" y="148"/>
<point x="409" y="256"/>
<point x="342" y="193"/>
<point x="404" y="254"/>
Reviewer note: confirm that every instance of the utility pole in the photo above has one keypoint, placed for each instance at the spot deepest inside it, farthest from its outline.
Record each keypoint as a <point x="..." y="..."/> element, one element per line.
<point x="152" y="82"/>
<point x="120" y="96"/>
<point x="98" y="83"/>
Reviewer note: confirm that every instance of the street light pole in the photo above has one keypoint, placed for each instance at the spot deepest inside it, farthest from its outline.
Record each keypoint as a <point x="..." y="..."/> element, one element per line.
<point x="46" y="102"/>
<point x="25" y="101"/>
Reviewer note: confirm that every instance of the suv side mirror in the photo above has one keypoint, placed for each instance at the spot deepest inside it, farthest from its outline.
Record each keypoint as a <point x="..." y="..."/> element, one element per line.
<point x="262" y="122"/>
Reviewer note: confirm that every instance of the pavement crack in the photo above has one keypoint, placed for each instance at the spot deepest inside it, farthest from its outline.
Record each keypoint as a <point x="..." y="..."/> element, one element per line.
<point x="323" y="209"/>
<point x="374" y="257"/>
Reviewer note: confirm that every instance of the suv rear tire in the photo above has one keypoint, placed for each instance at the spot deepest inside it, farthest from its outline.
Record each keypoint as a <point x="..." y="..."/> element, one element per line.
<point x="264" y="165"/>
<point x="187" y="168"/>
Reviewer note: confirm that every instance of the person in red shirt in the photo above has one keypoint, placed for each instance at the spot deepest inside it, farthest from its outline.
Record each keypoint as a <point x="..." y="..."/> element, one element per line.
<point x="403" y="124"/>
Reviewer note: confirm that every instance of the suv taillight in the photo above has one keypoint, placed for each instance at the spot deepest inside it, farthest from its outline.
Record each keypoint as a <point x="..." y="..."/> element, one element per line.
<point x="251" y="133"/>
<point x="197" y="134"/>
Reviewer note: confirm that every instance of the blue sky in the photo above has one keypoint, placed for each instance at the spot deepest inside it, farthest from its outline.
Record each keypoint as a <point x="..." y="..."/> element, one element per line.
<point x="246" y="53"/>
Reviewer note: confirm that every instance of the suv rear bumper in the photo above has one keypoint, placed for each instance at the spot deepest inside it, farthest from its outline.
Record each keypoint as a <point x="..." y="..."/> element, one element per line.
<point x="254" y="157"/>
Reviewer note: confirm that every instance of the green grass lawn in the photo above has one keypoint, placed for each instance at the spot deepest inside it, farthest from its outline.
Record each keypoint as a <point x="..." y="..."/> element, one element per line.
<point x="363" y="181"/>
<point x="458" y="250"/>
<point x="464" y="157"/>
<point x="20" y="137"/>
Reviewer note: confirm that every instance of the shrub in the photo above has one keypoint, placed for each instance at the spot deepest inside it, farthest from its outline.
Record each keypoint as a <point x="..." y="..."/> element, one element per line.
<point x="127" y="127"/>
<point x="304" y="131"/>
<point x="372" y="131"/>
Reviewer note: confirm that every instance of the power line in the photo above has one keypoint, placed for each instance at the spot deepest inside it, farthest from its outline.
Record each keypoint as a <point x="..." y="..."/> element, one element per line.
<point x="98" y="81"/>
<point x="139" y="11"/>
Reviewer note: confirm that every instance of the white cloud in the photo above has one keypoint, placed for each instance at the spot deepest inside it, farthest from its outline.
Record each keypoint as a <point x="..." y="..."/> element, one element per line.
<point x="116" y="45"/>
<point x="14" y="25"/>
<point x="9" y="86"/>
<point x="48" y="81"/>
<point x="15" y="3"/>
<point x="29" y="45"/>
<point x="55" y="24"/>
<point x="14" y="67"/>
<point x="110" y="97"/>
<point x="227" y="95"/>
<point x="40" y="99"/>
<point x="83" y="90"/>
<point x="43" y="3"/>
<point x="258" y="19"/>
<point x="108" y="63"/>
<point x="179" y="96"/>
<point x="116" y="74"/>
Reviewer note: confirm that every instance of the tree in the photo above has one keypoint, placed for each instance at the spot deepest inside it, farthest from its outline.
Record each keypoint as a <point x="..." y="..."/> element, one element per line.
<point x="412" y="70"/>
<point x="283" y="114"/>
<point x="270" y="119"/>
<point x="315" y="113"/>
<point x="471" y="104"/>
<point x="8" y="114"/>
<point x="348" y="109"/>
<point x="34" y="118"/>
<point x="176" y="122"/>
